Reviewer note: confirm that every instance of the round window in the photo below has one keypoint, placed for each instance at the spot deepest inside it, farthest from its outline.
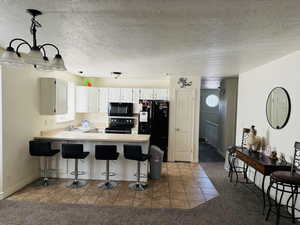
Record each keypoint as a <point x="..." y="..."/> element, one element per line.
<point x="212" y="100"/>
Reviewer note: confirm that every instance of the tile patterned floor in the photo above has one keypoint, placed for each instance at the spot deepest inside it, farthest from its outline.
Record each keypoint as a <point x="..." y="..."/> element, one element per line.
<point x="182" y="185"/>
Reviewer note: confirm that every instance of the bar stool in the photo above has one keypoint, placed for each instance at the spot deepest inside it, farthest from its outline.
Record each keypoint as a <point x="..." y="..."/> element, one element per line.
<point x="288" y="183"/>
<point x="134" y="152"/>
<point x="42" y="149"/>
<point x="74" y="151"/>
<point x="107" y="152"/>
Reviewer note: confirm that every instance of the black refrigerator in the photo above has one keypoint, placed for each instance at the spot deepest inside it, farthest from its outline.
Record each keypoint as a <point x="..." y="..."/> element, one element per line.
<point x="154" y="120"/>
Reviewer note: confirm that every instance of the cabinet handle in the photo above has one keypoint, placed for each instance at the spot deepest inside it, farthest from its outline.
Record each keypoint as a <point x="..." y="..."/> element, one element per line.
<point x="177" y="129"/>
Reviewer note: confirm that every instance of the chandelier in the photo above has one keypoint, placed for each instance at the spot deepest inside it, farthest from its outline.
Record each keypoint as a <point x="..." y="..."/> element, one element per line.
<point x="37" y="55"/>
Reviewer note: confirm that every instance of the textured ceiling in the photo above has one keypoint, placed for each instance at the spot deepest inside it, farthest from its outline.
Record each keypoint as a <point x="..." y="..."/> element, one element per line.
<point x="149" y="38"/>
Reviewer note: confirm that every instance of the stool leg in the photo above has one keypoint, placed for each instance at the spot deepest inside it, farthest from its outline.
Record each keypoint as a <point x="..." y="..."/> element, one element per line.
<point x="138" y="186"/>
<point x="107" y="184"/>
<point x="294" y="200"/>
<point x="76" y="183"/>
<point x="45" y="181"/>
<point x="269" y="200"/>
<point x="277" y="204"/>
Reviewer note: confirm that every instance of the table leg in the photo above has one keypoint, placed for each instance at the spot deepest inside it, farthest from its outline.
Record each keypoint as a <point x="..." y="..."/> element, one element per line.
<point x="234" y="168"/>
<point x="263" y="193"/>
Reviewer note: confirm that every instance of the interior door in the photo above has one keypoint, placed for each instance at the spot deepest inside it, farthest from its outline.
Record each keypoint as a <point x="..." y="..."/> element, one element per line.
<point x="184" y="125"/>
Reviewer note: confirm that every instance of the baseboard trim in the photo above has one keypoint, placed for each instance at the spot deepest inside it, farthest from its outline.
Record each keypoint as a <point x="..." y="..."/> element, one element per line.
<point x="12" y="189"/>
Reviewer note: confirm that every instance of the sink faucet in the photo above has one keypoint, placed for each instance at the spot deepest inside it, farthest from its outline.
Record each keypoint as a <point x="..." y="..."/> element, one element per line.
<point x="70" y="127"/>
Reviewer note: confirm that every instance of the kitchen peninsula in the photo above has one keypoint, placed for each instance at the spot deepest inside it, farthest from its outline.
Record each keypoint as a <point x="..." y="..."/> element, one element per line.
<point x="93" y="169"/>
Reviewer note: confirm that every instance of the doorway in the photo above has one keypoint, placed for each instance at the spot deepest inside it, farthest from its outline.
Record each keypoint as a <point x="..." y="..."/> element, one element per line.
<point x="218" y="104"/>
<point x="184" y="125"/>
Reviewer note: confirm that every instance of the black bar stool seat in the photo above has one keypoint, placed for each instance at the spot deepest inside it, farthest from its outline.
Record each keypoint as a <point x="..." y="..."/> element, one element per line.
<point x="285" y="183"/>
<point x="74" y="151"/>
<point x="107" y="152"/>
<point x="134" y="152"/>
<point x="43" y="149"/>
<point x="286" y="177"/>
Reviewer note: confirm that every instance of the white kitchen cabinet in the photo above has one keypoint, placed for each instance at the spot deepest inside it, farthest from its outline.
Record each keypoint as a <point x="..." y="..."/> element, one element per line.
<point x="81" y="99"/>
<point x="135" y="95"/>
<point x="126" y="95"/>
<point x="161" y="94"/>
<point x="103" y="100"/>
<point x="93" y="99"/>
<point x="53" y="96"/>
<point x="114" y="95"/>
<point x="146" y="93"/>
<point x="135" y="100"/>
<point x="86" y="99"/>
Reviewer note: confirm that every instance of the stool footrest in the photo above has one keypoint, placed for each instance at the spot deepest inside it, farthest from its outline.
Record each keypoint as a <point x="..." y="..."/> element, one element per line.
<point x="111" y="174"/>
<point x="79" y="173"/>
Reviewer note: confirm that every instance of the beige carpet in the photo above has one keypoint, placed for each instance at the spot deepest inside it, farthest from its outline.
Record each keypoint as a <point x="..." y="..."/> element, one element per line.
<point x="235" y="205"/>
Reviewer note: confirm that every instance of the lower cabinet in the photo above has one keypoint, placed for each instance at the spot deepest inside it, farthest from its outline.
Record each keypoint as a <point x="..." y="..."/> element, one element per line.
<point x="93" y="169"/>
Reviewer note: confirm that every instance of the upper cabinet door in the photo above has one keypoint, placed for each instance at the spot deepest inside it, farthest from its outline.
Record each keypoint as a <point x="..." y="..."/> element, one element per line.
<point x="81" y="99"/>
<point x="135" y="100"/>
<point x="61" y="96"/>
<point x="126" y="95"/>
<point x="103" y="100"/>
<point x="53" y="96"/>
<point x="161" y="94"/>
<point x="114" y="95"/>
<point x="92" y="99"/>
<point x="146" y="94"/>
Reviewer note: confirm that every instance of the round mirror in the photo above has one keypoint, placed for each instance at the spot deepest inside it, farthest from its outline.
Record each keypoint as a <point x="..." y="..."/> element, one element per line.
<point x="278" y="108"/>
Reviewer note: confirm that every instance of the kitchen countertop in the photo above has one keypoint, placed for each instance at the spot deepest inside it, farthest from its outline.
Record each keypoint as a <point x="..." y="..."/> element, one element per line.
<point x="101" y="137"/>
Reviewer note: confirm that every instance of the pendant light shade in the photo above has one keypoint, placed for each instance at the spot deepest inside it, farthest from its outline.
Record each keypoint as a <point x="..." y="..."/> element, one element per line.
<point x="9" y="56"/>
<point x="58" y="63"/>
<point x="46" y="65"/>
<point x="34" y="57"/>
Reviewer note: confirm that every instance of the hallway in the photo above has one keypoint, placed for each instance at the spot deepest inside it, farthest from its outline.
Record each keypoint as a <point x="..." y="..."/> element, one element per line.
<point x="208" y="153"/>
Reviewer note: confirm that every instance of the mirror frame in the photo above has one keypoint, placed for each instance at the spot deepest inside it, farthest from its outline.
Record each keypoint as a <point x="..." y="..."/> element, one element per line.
<point x="289" y="111"/>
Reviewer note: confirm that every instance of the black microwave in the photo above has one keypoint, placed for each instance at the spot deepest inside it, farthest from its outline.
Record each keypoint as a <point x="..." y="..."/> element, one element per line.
<point x="120" y="109"/>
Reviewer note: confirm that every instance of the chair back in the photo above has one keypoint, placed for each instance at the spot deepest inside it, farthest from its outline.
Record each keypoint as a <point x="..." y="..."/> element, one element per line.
<point x="72" y="151"/>
<point x="133" y="152"/>
<point x="105" y="152"/>
<point x="296" y="159"/>
<point x="39" y="148"/>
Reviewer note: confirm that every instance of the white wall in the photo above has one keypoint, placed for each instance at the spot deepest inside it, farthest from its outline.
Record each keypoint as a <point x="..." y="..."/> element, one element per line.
<point x="21" y="122"/>
<point x="254" y="87"/>
<point x="129" y="83"/>
<point x="1" y="138"/>
<point x="172" y="89"/>
<point x="228" y="108"/>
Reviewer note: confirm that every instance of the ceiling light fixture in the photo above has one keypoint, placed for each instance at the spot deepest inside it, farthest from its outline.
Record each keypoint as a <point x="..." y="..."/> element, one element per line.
<point x="37" y="55"/>
<point x="116" y="75"/>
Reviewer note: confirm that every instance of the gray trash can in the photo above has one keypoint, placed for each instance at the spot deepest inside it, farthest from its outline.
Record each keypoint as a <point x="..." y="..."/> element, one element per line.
<point x="156" y="158"/>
